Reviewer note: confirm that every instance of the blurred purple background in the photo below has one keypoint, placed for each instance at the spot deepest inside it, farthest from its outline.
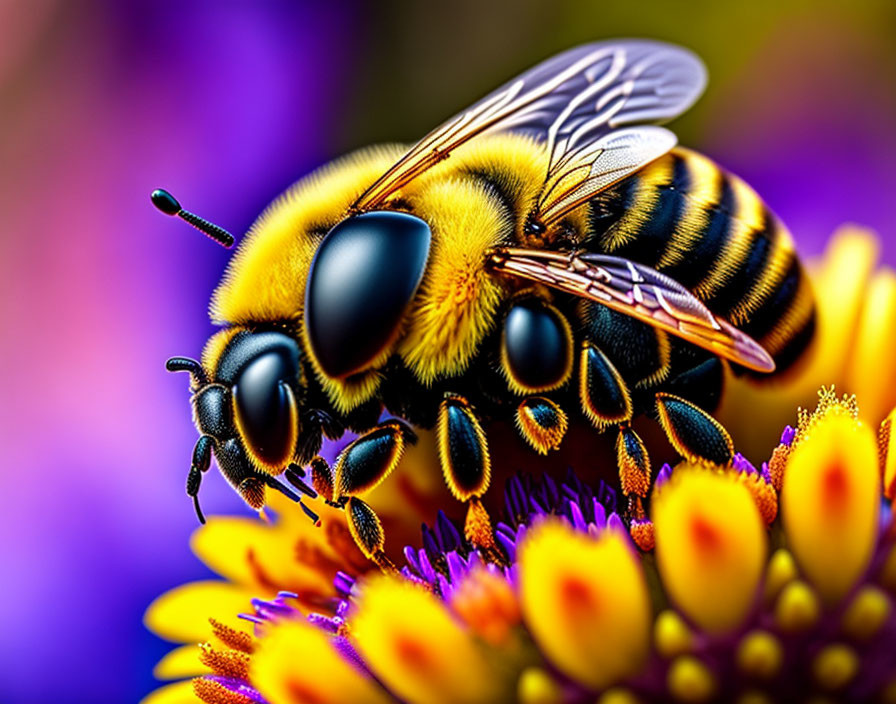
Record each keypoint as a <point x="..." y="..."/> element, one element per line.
<point x="225" y="104"/>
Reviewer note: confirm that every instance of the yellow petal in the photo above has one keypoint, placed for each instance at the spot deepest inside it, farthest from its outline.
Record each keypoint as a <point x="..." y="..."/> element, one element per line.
<point x="830" y="502"/>
<point x="296" y="663"/>
<point x="710" y="546"/>
<point x="585" y="602"/>
<point x="840" y="290"/>
<point x="179" y="663"/>
<point x="871" y="374"/>
<point x="410" y="641"/>
<point x="178" y="693"/>
<point x="182" y="614"/>
<point x="886" y="445"/>
<point x="256" y="554"/>
<point x="223" y="544"/>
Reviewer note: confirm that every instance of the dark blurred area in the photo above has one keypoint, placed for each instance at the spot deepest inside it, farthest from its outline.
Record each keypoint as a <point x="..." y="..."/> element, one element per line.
<point x="225" y="104"/>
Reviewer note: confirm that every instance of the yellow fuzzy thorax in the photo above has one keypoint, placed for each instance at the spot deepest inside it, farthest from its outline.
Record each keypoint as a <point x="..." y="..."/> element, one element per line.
<point x="458" y="300"/>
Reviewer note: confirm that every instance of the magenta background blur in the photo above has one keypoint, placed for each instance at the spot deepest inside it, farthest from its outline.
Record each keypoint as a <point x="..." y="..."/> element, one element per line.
<point x="226" y="103"/>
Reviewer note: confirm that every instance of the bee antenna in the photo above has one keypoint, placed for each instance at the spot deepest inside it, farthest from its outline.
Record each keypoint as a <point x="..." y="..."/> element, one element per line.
<point x="187" y="364"/>
<point x="168" y="204"/>
<point x="199" y="514"/>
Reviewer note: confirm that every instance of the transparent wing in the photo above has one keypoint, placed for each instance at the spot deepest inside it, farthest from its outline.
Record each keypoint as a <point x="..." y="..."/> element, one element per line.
<point x="583" y="173"/>
<point x="569" y="100"/>
<point x="637" y="291"/>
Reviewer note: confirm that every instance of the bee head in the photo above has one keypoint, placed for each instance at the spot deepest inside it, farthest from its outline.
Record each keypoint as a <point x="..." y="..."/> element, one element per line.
<point x="247" y="402"/>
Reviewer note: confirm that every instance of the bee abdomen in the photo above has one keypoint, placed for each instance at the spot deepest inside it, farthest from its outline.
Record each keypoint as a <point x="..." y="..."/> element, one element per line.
<point x="709" y="231"/>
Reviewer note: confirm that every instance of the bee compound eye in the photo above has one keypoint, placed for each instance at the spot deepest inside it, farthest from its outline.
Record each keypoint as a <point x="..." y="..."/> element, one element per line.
<point x="265" y="409"/>
<point x="536" y="346"/>
<point x="362" y="279"/>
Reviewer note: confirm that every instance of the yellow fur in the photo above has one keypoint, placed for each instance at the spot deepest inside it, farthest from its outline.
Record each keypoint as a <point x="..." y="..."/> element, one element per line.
<point x="458" y="299"/>
<point x="265" y="280"/>
<point x="215" y="347"/>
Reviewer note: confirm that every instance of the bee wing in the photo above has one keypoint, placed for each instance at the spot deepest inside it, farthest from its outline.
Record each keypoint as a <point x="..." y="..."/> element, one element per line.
<point x="582" y="172"/>
<point x="638" y="291"/>
<point x="569" y="100"/>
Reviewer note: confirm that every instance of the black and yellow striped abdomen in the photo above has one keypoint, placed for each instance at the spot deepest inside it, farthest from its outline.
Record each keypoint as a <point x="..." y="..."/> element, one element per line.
<point x="686" y="217"/>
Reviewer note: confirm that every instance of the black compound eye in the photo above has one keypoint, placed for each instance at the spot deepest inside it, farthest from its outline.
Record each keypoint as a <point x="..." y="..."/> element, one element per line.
<point x="537" y="350"/>
<point x="265" y="408"/>
<point x="362" y="279"/>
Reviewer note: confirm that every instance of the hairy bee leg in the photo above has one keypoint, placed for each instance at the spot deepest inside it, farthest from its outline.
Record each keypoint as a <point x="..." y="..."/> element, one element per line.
<point x="202" y="458"/>
<point x="360" y="467"/>
<point x="371" y="458"/>
<point x="634" y="479"/>
<point x="695" y="435"/>
<point x="463" y="454"/>
<point x="542" y="423"/>
<point x="634" y="466"/>
<point x="322" y="479"/>
<point x="367" y="532"/>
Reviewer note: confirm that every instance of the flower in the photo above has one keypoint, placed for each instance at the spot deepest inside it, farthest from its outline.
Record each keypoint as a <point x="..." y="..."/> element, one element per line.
<point x="287" y="553"/>
<point x="764" y="582"/>
<point x="727" y="607"/>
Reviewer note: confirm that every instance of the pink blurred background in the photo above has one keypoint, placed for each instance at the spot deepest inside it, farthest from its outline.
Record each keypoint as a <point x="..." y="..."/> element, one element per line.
<point x="225" y="104"/>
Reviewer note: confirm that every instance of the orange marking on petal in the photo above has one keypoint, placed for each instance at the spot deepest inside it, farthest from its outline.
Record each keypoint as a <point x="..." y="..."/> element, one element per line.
<point x="706" y="537"/>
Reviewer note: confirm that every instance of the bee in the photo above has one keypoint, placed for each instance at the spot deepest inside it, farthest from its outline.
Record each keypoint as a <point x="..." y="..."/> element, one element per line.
<point x="547" y="256"/>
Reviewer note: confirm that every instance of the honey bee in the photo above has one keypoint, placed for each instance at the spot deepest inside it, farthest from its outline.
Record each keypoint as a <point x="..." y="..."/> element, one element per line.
<point x="547" y="255"/>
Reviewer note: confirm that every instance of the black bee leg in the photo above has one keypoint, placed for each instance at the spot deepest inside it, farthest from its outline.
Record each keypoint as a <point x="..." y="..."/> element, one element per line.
<point x="367" y="531"/>
<point x="542" y="423"/>
<point x="695" y="435"/>
<point x="289" y="493"/>
<point x="360" y="467"/>
<point x="604" y="396"/>
<point x="702" y="384"/>
<point x="202" y="457"/>
<point x="606" y="401"/>
<point x="463" y="454"/>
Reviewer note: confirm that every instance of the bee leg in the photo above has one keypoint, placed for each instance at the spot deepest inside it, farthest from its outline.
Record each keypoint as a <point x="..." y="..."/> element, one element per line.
<point x="702" y="385"/>
<point x="605" y="397"/>
<point x="542" y="423"/>
<point x="463" y="454"/>
<point x="359" y="468"/>
<point x="695" y="435"/>
<point x="634" y="479"/>
<point x="202" y="458"/>
<point x="367" y="531"/>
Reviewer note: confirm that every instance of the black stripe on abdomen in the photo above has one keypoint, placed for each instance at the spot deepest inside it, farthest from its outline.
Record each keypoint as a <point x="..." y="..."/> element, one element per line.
<point x="743" y="275"/>
<point x="650" y="238"/>
<point x="707" y="247"/>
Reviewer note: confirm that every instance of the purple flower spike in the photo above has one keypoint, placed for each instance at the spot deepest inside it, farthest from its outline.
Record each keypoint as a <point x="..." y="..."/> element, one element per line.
<point x="742" y="464"/>
<point x="787" y="436"/>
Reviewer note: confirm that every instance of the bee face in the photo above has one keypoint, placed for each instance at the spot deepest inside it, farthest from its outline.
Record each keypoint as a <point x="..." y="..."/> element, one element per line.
<point x="253" y="399"/>
<point x="362" y="278"/>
